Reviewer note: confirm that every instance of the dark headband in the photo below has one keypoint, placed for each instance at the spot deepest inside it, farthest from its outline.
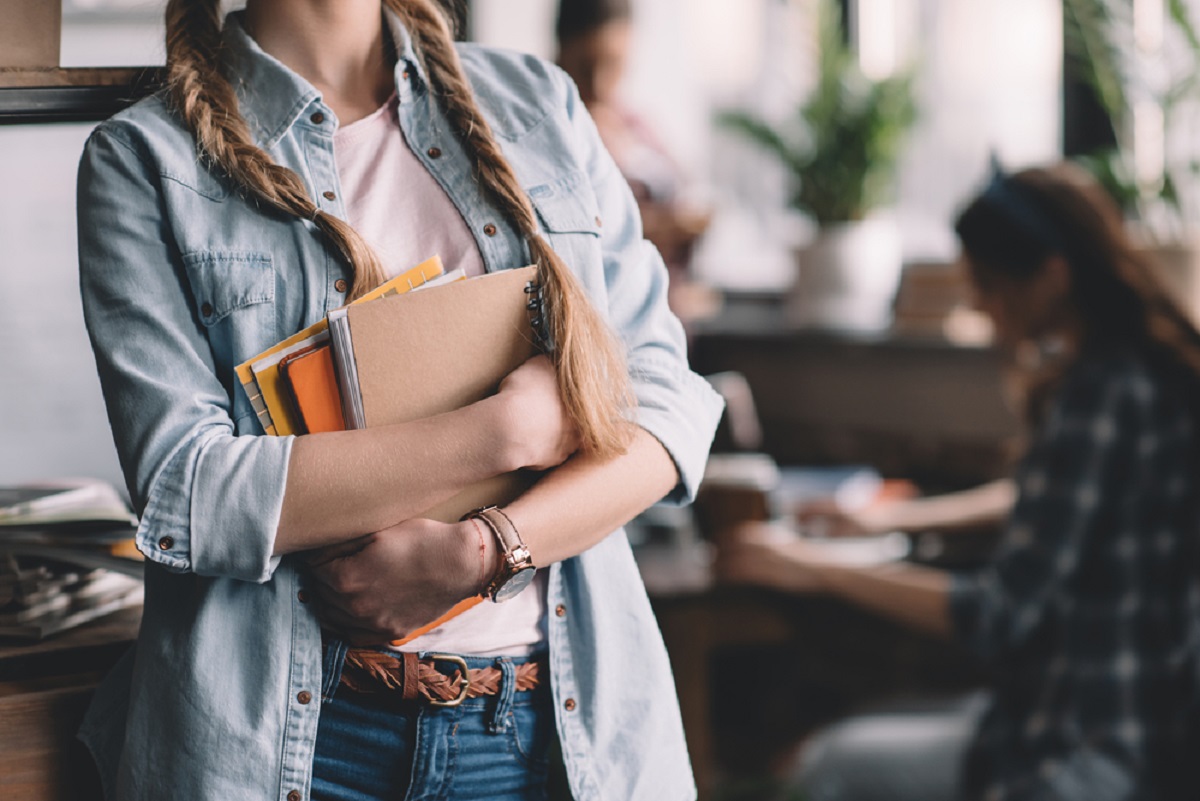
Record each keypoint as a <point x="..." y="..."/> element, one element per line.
<point x="1020" y="207"/>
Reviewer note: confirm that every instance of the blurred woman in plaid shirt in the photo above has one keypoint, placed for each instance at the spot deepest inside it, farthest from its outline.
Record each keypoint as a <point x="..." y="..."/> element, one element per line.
<point x="1088" y="615"/>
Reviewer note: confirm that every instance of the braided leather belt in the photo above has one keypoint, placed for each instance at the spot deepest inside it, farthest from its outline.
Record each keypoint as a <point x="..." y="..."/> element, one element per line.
<point x="411" y="678"/>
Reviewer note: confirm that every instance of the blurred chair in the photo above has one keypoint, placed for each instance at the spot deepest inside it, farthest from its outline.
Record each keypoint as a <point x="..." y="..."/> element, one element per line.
<point x="740" y="429"/>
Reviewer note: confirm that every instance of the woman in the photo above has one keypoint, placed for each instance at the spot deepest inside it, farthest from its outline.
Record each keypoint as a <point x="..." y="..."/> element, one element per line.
<point x="594" y="42"/>
<point x="1087" y="614"/>
<point x="218" y="217"/>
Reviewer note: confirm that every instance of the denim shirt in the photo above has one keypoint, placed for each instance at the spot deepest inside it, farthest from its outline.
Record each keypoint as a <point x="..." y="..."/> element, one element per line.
<point x="182" y="279"/>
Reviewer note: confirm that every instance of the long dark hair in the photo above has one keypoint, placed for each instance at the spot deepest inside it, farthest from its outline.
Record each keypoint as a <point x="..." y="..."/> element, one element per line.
<point x="1021" y="220"/>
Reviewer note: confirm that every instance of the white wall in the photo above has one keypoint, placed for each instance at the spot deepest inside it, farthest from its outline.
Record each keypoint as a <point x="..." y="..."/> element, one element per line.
<point x="52" y="418"/>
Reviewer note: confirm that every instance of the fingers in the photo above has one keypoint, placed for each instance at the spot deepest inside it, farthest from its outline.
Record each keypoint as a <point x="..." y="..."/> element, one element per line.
<point x="352" y="629"/>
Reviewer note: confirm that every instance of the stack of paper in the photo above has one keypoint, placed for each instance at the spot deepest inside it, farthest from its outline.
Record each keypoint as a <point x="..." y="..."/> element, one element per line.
<point x="262" y="377"/>
<point x="67" y="556"/>
<point x="45" y="599"/>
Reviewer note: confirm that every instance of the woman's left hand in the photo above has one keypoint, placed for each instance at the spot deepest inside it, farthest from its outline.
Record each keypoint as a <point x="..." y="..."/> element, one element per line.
<point x="765" y="555"/>
<point x="384" y="585"/>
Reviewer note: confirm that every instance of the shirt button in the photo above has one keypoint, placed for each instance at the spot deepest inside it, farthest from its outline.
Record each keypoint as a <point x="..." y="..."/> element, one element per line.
<point x="434" y="152"/>
<point x="569" y="705"/>
<point x="340" y="285"/>
<point x="304" y="696"/>
<point x="489" y="229"/>
<point x="302" y="596"/>
<point x="294" y="795"/>
<point x="599" y="223"/>
<point x="206" y="309"/>
<point x="329" y="195"/>
<point x="166" y="543"/>
<point x="560" y="610"/>
<point x="317" y="119"/>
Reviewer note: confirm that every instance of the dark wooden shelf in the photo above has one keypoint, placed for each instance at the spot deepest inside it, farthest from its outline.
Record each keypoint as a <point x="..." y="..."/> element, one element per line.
<point x="29" y="96"/>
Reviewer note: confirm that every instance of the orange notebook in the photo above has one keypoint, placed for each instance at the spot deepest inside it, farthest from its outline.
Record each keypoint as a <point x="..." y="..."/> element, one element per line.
<point x="312" y="385"/>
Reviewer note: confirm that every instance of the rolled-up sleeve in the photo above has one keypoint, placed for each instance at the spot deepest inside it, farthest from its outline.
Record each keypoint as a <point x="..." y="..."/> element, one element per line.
<point x="209" y="500"/>
<point x="678" y="407"/>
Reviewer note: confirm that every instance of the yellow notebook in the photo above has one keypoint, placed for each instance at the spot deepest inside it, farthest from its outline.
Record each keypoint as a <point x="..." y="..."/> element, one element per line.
<point x="260" y="376"/>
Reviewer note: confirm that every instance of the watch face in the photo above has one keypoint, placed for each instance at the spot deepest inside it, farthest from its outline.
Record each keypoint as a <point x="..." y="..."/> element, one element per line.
<point x="516" y="582"/>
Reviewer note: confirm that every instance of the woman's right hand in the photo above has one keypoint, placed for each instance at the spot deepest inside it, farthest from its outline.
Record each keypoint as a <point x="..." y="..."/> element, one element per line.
<point x="540" y="429"/>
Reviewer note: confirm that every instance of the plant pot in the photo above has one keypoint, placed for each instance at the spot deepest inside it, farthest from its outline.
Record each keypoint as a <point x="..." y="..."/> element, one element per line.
<point x="846" y="278"/>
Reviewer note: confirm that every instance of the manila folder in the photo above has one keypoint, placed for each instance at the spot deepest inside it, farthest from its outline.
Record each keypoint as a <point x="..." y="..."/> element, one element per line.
<point x="424" y="353"/>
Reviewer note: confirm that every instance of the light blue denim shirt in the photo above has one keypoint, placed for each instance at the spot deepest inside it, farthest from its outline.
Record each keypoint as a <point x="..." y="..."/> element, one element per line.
<point x="182" y="279"/>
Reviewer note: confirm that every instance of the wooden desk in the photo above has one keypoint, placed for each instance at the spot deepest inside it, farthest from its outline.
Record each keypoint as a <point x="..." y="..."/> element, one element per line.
<point x="757" y="670"/>
<point x="45" y="688"/>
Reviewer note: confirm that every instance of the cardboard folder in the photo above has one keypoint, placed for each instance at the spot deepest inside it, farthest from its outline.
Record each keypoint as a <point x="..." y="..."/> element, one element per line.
<point x="424" y="353"/>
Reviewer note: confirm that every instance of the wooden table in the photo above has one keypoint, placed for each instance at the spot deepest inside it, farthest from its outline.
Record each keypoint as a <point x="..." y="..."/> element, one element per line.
<point x="757" y="670"/>
<point x="45" y="688"/>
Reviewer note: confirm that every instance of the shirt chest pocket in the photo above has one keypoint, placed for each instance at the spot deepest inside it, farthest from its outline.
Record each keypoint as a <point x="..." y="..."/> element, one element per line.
<point x="233" y="296"/>
<point x="570" y="218"/>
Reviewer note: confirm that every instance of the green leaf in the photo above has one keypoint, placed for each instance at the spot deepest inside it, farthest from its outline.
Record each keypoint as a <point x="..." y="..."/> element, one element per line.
<point x="843" y="158"/>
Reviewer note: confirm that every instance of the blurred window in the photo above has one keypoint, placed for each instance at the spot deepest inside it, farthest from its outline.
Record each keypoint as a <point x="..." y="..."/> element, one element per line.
<point x="989" y="81"/>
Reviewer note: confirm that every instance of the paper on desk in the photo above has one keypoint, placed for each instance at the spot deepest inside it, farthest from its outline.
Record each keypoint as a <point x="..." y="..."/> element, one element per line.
<point x="860" y="551"/>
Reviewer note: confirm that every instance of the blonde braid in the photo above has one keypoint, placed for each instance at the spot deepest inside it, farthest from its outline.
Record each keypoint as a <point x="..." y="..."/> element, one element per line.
<point x="206" y="101"/>
<point x="590" y="363"/>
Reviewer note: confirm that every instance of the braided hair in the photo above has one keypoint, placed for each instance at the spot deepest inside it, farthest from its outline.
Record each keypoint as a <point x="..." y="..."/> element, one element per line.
<point x="589" y="360"/>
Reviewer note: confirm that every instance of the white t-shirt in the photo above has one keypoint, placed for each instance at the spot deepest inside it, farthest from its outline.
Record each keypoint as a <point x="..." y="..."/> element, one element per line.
<point x="406" y="216"/>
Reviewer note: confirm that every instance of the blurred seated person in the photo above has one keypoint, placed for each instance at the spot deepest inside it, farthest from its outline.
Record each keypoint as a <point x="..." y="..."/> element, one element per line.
<point x="1088" y="614"/>
<point x="594" y="38"/>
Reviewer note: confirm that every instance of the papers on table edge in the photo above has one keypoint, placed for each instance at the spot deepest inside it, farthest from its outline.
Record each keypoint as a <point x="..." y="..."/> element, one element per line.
<point x="78" y="502"/>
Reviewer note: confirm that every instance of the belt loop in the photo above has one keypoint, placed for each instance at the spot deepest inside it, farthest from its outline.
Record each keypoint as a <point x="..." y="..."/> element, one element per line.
<point x="335" y="659"/>
<point x="504" y="698"/>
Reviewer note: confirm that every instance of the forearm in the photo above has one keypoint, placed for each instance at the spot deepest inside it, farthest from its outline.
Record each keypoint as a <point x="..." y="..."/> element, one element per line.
<point x="914" y="596"/>
<point x="584" y="500"/>
<point x="345" y="484"/>
<point x="987" y="504"/>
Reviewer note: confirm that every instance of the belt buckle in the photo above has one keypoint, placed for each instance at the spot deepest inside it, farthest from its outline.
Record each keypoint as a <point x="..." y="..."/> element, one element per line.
<point x="464" y="683"/>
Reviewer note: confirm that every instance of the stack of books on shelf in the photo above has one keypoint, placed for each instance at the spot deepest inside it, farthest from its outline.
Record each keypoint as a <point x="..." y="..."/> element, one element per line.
<point x="67" y="556"/>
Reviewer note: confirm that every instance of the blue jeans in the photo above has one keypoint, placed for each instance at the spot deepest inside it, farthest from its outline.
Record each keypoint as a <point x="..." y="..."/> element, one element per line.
<point x="373" y="748"/>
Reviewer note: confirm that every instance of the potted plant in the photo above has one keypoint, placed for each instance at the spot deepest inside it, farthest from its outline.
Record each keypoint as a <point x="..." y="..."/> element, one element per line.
<point x="1142" y="62"/>
<point x="842" y="149"/>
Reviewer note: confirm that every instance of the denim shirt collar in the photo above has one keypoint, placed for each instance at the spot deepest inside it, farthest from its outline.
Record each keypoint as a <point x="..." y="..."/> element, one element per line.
<point x="272" y="97"/>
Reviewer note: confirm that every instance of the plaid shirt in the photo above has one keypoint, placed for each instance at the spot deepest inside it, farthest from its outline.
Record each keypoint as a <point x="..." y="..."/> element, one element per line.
<point x="1089" y="614"/>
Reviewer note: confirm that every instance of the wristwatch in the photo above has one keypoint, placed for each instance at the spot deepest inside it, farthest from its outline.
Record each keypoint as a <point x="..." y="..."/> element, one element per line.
<point x="516" y="568"/>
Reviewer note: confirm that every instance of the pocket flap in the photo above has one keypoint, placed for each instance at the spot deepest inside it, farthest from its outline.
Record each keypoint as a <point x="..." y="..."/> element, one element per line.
<point x="225" y="282"/>
<point x="567" y="206"/>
